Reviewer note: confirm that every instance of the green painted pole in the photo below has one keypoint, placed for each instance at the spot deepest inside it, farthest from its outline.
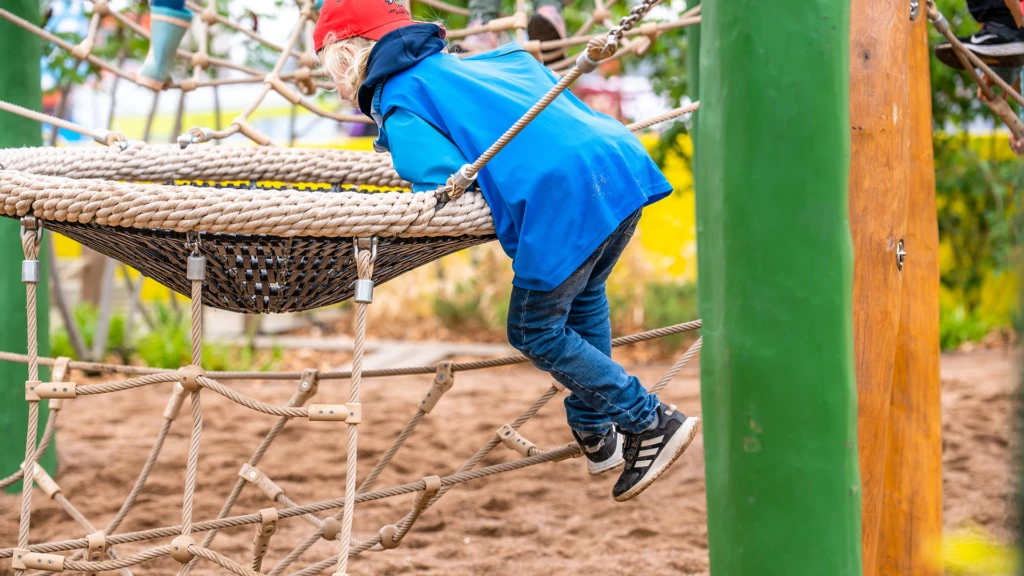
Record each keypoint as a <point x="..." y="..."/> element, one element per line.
<point x="776" y="273"/>
<point x="19" y="84"/>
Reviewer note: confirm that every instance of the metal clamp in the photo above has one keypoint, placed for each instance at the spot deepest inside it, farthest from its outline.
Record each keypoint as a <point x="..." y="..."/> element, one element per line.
<point x="196" y="268"/>
<point x="193" y="241"/>
<point x="366" y="244"/>
<point x="31" y="271"/>
<point x="901" y="256"/>
<point x="915" y="9"/>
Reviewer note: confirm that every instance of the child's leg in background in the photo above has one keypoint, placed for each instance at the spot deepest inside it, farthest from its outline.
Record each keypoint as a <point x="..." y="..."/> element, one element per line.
<point x="169" y="21"/>
<point x="175" y="4"/>
<point x="994" y="11"/>
<point x="538" y="326"/>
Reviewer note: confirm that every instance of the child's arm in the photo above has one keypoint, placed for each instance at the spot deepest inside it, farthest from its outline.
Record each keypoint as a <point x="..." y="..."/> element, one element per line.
<point x="422" y="154"/>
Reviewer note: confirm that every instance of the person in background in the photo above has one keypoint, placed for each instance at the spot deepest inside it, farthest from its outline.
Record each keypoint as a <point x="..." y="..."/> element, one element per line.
<point x="546" y="24"/>
<point x="168" y="22"/>
<point x="999" y="43"/>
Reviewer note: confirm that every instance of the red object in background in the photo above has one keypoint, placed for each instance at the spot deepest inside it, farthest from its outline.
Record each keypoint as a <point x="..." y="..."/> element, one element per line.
<point x="601" y="100"/>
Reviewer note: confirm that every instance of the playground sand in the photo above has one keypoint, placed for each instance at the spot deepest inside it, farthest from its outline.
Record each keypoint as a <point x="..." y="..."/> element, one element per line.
<point x="548" y="519"/>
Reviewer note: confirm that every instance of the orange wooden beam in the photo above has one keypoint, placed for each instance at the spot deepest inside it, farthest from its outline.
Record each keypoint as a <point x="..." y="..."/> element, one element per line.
<point x="910" y="540"/>
<point x="879" y="184"/>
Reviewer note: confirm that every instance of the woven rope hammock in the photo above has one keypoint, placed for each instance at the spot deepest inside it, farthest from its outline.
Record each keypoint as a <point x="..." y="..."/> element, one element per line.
<point x="267" y="249"/>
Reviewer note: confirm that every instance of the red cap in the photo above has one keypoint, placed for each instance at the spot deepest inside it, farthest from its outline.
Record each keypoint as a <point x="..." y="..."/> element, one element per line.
<point x="369" y="19"/>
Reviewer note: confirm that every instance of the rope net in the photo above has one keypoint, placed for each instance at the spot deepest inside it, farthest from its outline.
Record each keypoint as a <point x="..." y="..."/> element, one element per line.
<point x="95" y="551"/>
<point x="301" y="85"/>
<point x="96" y="193"/>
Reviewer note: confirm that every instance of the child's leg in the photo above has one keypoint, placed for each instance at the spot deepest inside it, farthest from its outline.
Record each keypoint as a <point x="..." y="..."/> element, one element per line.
<point x="538" y="327"/>
<point x="589" y="317"/>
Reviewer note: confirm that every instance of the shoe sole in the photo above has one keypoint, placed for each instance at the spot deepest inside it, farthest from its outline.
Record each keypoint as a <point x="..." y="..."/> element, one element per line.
<point x="1003" y="55"/>
<point x="664" y="461"/>
<point x="613" y="462"/>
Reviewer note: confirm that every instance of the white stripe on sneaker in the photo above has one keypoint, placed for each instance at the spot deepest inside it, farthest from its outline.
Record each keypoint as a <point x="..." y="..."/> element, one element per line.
<point x="648" y="452"/>
<point x="651" y="441"/>
<point x="642" y="463"/>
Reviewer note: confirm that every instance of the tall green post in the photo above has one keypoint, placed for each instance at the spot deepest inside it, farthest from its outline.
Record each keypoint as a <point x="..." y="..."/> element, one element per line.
<point x="776" y="274"/>
<point x="19" y="84"/>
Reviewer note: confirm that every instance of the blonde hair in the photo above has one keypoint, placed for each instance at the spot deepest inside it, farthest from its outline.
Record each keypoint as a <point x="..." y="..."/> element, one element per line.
<point x="345" y="60"/>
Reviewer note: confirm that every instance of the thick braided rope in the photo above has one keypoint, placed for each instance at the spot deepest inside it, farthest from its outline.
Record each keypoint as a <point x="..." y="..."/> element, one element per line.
<point x="117" y="564"/>
<point x="243" y="400"/>
<point x="346" y="374"/>
<point x="249" y="519"/>
<point x="162" y="163"/>
<point x="254" y="460"/>
<point x="221" y="560"/>
<point x="283" y="213"/>
<point x="364" y="270"/>
<point x="30" y="240"/>
<point x="192" y="467"/>
<point x="139" y="382"/>
<point x="371" y="478"/>
<point x="671" y="114"/>
<point x="677" y="366"/>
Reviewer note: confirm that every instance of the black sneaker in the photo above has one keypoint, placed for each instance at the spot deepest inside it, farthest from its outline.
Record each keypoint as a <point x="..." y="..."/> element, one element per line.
<point x="649" y="453"/>
<point x="603" y="453"/>
<point x="995" y="44"/>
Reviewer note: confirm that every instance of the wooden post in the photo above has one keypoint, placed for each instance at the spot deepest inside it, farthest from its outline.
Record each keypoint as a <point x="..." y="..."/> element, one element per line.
<point x="879" y="182"/>
<point x="910" y="536"/>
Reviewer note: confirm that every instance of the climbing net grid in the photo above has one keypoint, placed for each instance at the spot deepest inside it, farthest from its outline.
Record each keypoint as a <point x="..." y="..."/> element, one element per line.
<point x="253" y="249"/>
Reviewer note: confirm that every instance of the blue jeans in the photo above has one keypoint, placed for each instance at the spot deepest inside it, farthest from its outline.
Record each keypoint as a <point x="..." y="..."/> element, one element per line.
<point x="567" y="332"/>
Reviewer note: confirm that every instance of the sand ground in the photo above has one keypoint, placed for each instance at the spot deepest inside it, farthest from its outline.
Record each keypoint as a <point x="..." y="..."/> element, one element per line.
<point x="547" y="519"/>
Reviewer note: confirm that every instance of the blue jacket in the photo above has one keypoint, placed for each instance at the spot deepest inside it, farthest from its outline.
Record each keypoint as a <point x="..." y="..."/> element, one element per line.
<point x="556" y="191"/>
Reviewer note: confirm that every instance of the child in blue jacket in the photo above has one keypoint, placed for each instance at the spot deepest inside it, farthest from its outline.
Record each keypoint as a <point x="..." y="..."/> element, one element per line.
<point x="565" y="194"/>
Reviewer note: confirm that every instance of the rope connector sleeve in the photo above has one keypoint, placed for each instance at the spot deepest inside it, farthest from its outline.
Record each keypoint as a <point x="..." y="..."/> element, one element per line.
<point x="309" y="383"/>
<point x="331" y="528"/>
<point x="188" y="377"/>
<point x="97" y="549"/>
<point x="351" y="413"/>
<point x="179" y="549"/>
<point x="56" y="390"/>
<point x="513" y="440"/>
<point x="585" y="64"/>
<point x="264" y="531"/>
<point x="444" y="379"/>
<point x="27" y="560"/>
<point x="432" y="485"/>
<point x="253" y="475"/>
<point x="30" y="391"/>
<point x="175" y="402"/>
<point x="388" y="537"/>
<point x="42" y="479"/>
<point x="108" y="138"/>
